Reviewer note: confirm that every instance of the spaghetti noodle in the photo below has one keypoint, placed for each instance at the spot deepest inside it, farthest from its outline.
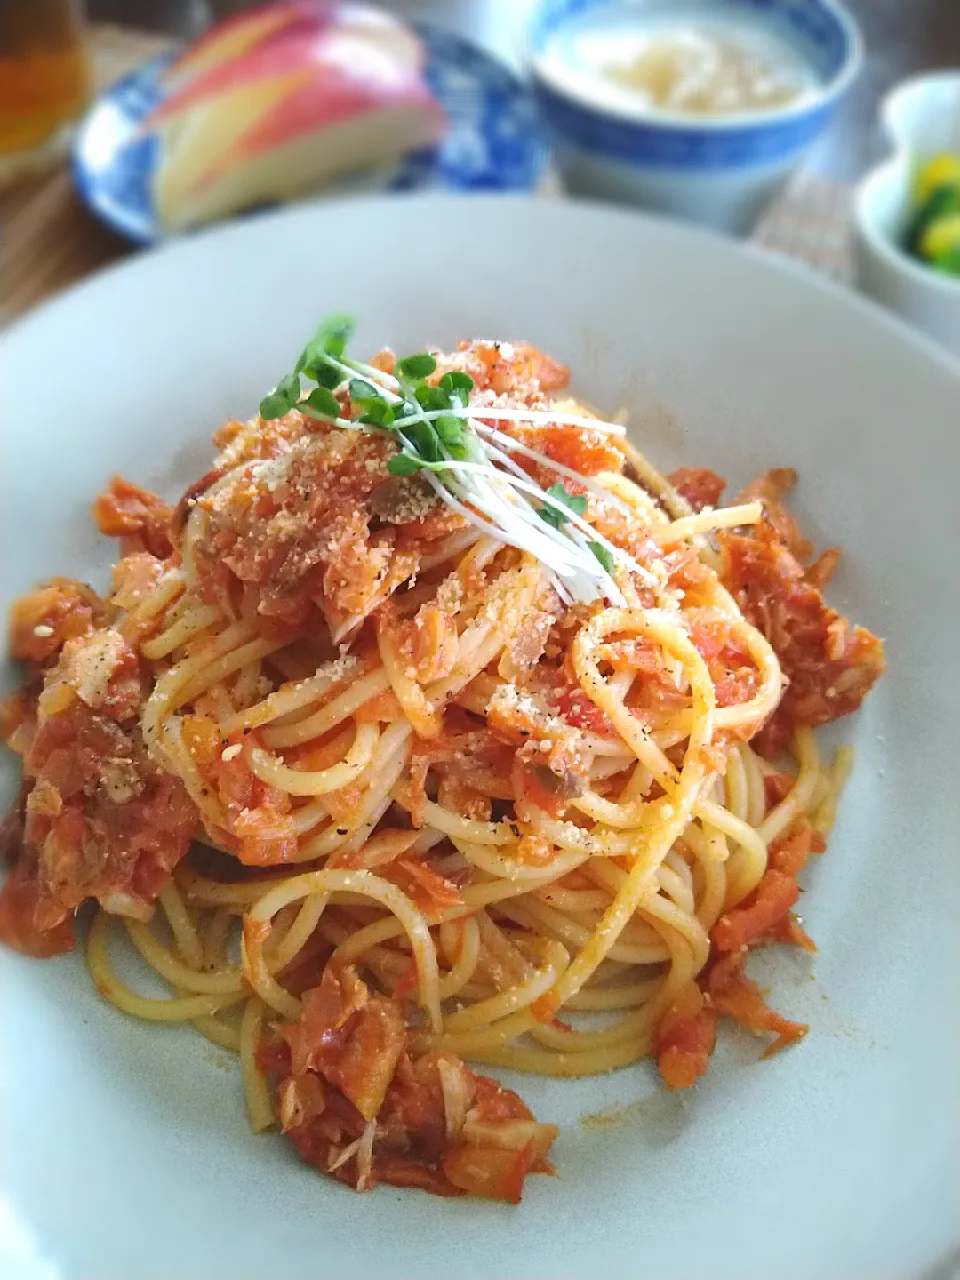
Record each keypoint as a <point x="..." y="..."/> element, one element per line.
<point x="433" y="726"/>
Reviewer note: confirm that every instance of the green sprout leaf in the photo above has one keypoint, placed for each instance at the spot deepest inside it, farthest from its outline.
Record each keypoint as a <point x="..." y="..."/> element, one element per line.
<point x="452" y="437"/>
<point x="321" y="403"/>
<point x="326" y="375"/>
<point x="327" y="344"/>
<point x="273" y="406"/>
<point x="431" y="398"/>
<point x="330" y="339"/>
<point x="416" y="367"/>
<point x="360" y="391"/>
<point x="449" y="429"/>
<point x="377" y="413"/>
<point x="424" y="440"/>
<point x="282" y="399"/>
<point x="456" y="384"/>
<point x="603" y="555"/>
<point x="404" y="464"/>
<point x="574" y="502"/>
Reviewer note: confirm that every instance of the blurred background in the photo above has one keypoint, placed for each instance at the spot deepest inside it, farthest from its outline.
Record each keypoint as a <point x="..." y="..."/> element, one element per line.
<point x="50" y="237"/>
<point x="901" y="37"/>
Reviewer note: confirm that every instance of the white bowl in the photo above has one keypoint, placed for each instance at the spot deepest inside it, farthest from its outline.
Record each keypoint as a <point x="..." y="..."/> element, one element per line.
<point x="921" y="118"/>
<point x="720" y="171"/>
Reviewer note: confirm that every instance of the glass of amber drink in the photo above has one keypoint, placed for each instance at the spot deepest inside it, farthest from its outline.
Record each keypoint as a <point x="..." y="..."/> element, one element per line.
<point x="44" y="78"/>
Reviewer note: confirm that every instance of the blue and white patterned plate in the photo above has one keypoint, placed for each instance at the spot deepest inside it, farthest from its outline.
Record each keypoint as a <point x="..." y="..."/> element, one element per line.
<point x="493" y="142"/>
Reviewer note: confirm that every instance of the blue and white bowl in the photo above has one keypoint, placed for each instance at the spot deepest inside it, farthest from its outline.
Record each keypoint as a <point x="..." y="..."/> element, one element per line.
<point x="721" y="171"/>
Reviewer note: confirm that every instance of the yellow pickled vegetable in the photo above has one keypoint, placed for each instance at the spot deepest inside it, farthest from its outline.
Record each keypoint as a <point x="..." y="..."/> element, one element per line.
<point x="939" y="171"/>
<point x="941" y="238"/>
<point x="932" y="230"/>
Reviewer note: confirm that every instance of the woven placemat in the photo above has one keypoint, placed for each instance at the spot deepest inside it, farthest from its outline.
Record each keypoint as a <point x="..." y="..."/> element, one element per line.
<point x="49" y="240"/>
<point x="811" y="223"/>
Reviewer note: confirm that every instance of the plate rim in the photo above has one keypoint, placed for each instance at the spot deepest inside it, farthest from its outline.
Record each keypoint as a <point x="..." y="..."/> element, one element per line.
<point x="767" y="260"/>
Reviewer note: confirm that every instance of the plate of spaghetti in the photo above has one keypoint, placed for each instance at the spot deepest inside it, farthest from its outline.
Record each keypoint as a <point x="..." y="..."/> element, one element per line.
<point x="475" y="780"/>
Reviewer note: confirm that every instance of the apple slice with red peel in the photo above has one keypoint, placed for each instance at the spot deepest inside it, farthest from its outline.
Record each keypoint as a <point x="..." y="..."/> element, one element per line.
<point x="197" y="141"/>
<point x="268" y="110"/>
<point x="356" y="79"/>
<point x="234" y="36"/>
<point x="382" y="29"/>
<point x="254" y="28"/>
<point x="368" y="142"/>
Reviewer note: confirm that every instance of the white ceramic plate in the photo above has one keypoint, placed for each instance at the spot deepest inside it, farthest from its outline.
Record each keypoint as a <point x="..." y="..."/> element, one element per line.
<point x="126" y="1149"/>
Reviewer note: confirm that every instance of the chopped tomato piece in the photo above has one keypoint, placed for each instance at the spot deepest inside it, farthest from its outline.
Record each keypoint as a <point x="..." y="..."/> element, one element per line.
<point x="700" y="486"/>
<point x="201" y="737"/>
<point x="514" y="368"/>
<point x="398" y="1172"/>
<point x="432" y="892"/>
<point x="734" y="994"/>
<point x="19" y="904"/>
<point x="771" y="488"/>
<point x="685" y="1038"/>
<point x="575" y="707"/>
<point x="830" y="666"/>
<point x="417" y="790"/>
<point x="489" y="1172"/>
<point x="142" y="519"/>
<point x="384" y="707"/>
<point x="764" y="910"/>
<point x="731" y="668"/>
<point x="407" y="981"/>
<point x="545" y="1007"/>
<point x="44" y="620"/>
<point x="789" y="854"/>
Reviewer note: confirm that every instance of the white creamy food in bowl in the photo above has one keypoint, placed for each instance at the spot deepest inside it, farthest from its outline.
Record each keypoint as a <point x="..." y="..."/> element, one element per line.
<point x="700" y="110"/>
